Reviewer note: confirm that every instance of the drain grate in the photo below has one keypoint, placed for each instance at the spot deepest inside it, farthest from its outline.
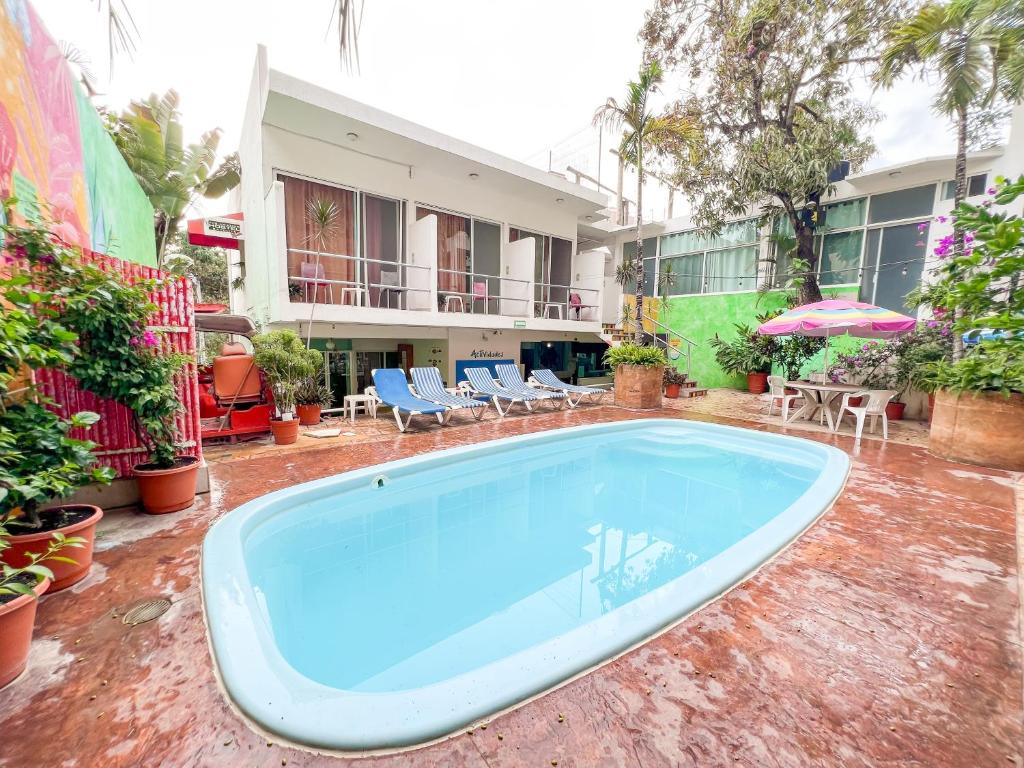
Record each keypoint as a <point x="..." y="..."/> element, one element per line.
<point x="145" y="610"/>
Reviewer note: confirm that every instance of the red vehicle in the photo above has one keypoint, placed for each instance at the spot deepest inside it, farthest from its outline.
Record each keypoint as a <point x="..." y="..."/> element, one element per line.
<point x="234" y="399"/>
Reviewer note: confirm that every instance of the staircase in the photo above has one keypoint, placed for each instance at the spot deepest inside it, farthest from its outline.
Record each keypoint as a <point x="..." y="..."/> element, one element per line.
<point x="663" y="337"/>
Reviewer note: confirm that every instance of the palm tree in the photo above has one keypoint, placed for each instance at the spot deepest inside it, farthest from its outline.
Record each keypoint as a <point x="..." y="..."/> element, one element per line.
<point x="322" y="218"/>
<point x="150" y="136"/>
<point x="349" y="15"/>
<point x="643" y="130"/>
<point x="976" y="47"/>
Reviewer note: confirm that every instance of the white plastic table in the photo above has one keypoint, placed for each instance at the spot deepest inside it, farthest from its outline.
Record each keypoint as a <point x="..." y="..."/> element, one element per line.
<point x="818" y="397"/>
<point x="351" y="403"/>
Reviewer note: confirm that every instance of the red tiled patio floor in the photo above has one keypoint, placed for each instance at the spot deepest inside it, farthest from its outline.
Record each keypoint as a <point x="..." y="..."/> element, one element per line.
<point x="888" y="634"/>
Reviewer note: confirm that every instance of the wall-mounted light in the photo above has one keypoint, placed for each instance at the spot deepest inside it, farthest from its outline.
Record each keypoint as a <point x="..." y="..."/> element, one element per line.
<point x="474" y="176"/>
<point x="352" y="136"/>
<point x="549" y="345"/>
<point x="330" y="345"/>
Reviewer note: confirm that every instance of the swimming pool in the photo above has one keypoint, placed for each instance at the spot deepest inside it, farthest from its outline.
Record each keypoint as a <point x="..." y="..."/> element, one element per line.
<point x="391" y="605"/>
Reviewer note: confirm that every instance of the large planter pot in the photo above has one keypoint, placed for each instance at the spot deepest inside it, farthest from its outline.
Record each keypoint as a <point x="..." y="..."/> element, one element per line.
<point x="757" y="383"/>
<point x="983" y="428"/>
<point x="167" y="490"/>
<point x="84" y="519"/>
<point x="285" y="432"/>
<point x="637" y="386"/>
<point x="931" y="406"/>
<point x="672" y="390"/>
<point x="308" y="415"/>
<point x="17" y="618"/>
<point x="894" y="410"/>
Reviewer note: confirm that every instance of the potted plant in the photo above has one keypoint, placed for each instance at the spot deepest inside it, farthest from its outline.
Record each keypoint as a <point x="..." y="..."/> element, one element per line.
<point x="40" y="460"/>
<point x="20" y="587"/>
<point x="311" y="396"/>
<point x="285" y="362"/>
<point x="747" y="354"/>
<point x="674" y="380"/>
<point x="979" y="390"/>
<point x="638" y="374"/>
<point x="117" y="356"/>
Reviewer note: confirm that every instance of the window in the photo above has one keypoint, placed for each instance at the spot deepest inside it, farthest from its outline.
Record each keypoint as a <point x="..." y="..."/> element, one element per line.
<point x="975" y="186"/>
<point x="650" y="263"/>
<point x="382" y="244"/>
<point x="552" y="266"/>
<point x="839" y="257"/>
<point x="903" y="204"/>
<point x="720" y="263"/>
<point x="337" y="264"/>
<point x="893" y="262"/>
<point x="453" y="249"/>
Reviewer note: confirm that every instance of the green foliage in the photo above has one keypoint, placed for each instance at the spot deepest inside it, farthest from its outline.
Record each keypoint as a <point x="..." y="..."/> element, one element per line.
<point x="747" y="352"/>
<point x="44" y="462"/>
<point x="775" y="111"/>
<point x="981" y="289"/>
<point x="899" y="364"/>
<point x="21" y="581"/>
<point x="674" y="376"/>
<point x="207" y="266"/>
<point x="39" y="459"/>
<point x="117" y="358"/>
<point x="634" y="354"/>
<point x="793" y="351"/>
<point x="313" y="391"/>
<point x="150" y="136"/>
<point x="285" y="362"/>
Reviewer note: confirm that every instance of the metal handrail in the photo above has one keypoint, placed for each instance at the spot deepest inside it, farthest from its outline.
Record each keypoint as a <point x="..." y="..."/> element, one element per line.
<point x="486" y="279"/>
<point x="322" y="254"/>
<point x="666" y="343"/>
<point x="569" y="290"/>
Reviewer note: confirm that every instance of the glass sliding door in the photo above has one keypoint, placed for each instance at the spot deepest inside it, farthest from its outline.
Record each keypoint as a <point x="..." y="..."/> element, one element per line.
<point x="453" y="252"/>
<point x="893" y="263"/>
<point x="322" y="277"/>
<point x="382" y="250"/>
<point x="486" y="256"/>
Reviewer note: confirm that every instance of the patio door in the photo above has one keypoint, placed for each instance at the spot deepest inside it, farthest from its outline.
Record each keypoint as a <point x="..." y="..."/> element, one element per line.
<point x="339" y="372"/>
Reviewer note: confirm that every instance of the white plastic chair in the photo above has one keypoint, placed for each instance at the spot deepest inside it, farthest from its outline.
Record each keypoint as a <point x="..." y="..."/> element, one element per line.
<point x="873" y="402"/>
<point x="777" y="391"/>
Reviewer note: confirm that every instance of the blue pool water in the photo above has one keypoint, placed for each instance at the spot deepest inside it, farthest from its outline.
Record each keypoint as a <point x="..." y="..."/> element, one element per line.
<point x="392" y="605"/>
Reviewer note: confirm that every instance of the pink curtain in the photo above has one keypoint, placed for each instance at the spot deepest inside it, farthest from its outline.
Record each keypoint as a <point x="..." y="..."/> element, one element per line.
<point x="373" y="232"/>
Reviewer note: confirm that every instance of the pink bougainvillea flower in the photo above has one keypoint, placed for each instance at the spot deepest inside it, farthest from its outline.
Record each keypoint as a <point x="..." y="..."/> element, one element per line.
<point x="922" y="226"/>
<point x="134" y="341"/>
<point x="933" y="323"/>
<point x="941" y="219"/>
<point x="149" y="339"/>
<point x="919" y="243"/>
<point x="990" y="191"/>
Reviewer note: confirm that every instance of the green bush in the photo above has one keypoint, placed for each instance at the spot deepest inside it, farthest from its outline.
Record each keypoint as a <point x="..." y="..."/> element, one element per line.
<point x="635" y="354"/>
<point x="285" y="362"/>
<point x="748" y="352"/>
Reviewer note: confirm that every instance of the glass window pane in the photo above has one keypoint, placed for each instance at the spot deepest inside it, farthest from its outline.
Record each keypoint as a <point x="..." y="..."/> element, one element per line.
<point x="840" y="257"/>
<point x="686" y="274"/>
<point x="735" y="233"/>
<point x="453" y="249"/>
<point x="783" y="226"/>
<point x="734" y="269"/>
<point x="650" y="273"/>
<point x="903" y="204"/>
<point x="903" y="250"/>
<point x="682" y="242"/>
<point x="849" y="213"/>
<point x="867" y="275"/>
<point x="976" y="185"/>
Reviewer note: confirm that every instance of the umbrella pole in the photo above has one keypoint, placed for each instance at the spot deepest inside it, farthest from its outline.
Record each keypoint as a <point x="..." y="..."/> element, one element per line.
<point x="824" y="369"/>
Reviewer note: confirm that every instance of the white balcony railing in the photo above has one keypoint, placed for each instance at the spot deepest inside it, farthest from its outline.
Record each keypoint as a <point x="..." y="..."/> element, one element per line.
<point x="481" y="293"/>
<point x="555" y="301"/>
<point x="369" y="283"/>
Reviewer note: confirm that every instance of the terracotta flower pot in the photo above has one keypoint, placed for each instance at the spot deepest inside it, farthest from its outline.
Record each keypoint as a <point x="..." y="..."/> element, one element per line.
<point x="637" y="386"/>
<point x="672" y="390"/>
<point x="757" y="382"/>
<point x="857" y="401"/>
<point x="894" y="410"/>
<point x="64" y="574"/>
<point x="167" y="490"/>
<point x="980" y="428"/>
<point x="285" y="432"/>
<point x="308" y="414"/>
<point x="17" y="619"/>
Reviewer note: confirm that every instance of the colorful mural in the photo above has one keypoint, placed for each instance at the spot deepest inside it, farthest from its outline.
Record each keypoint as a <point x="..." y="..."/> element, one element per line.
<point x="54" y="151"/>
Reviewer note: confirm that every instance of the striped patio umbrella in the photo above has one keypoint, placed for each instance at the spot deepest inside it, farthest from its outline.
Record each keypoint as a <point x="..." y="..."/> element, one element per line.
<point x="834" y="317"/>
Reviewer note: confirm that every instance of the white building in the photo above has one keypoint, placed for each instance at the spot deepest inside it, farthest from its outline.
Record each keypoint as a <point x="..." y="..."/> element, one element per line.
<point x="443" y="253"/>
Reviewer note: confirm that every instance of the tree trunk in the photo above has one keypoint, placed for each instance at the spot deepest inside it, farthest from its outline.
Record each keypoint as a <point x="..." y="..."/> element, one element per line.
<point x="638" y="333"/>
<point x="958" y="197"/>
<point x="809" y="290"/>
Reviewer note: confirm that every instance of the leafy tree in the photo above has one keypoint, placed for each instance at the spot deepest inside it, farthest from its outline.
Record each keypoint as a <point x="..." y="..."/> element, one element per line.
<point x="774" y="109"/>
<point x="642" y="130"/>
<point x="207" y="266"/>
<point x="150" y="136"/>
<point x="976" y="49"/>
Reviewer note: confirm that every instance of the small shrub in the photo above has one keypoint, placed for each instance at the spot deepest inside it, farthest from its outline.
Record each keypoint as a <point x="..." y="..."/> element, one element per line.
<point x="635" y="354"/>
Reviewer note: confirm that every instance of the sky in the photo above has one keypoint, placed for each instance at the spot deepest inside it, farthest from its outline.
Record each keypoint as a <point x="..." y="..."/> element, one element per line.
<point x="514" y="78"/>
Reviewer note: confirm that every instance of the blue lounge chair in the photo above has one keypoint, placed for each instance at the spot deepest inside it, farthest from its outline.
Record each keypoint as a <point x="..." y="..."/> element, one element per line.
<point x="480" y="382"/>
<point x="510" y="378"/>
<point x="393" y="390"/>
<point x="545" y="378"/>
<point x="428" y="385"/>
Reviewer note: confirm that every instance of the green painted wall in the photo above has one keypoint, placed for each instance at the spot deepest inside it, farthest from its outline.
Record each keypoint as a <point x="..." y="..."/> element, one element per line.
<point x="699" y="318"/>
<point x="121" y="217"/>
